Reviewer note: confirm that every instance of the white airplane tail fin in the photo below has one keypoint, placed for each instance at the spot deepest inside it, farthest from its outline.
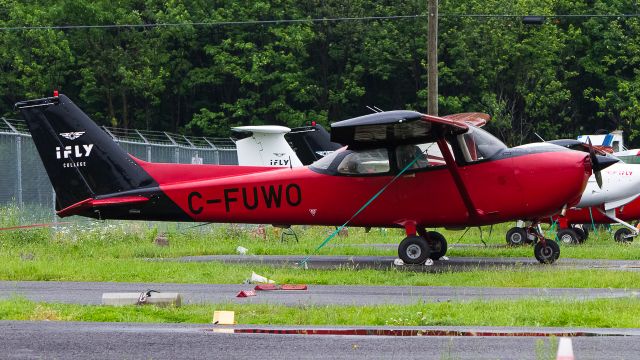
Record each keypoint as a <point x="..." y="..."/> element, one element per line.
<point x="265" y="146"/>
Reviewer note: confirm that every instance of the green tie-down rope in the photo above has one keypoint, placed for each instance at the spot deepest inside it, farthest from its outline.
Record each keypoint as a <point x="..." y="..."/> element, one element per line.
<point x="303" y="263"/>
<point x="593" y="224"/>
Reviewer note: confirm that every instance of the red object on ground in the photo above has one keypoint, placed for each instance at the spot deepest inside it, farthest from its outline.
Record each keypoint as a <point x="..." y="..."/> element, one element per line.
<point x="293" y="287"/>
<point x="246" y="293"/>
<point x="266" y="287"/>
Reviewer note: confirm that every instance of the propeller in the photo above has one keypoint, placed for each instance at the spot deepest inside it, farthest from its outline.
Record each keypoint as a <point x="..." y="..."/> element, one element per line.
<point x="599" y="163"/>
<point x="595" y="164"/>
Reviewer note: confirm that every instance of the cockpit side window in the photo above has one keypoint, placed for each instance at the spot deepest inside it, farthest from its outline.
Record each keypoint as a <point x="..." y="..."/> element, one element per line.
<point x="420" y="156"/>
<point x="477" y="144"/>
<point x="364" y="162"/>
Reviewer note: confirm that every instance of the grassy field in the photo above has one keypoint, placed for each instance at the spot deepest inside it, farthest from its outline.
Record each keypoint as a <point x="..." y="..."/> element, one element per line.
<point x="131" y="252"/>
<point x="120" y="252"/>
<point x="525" y="312"/>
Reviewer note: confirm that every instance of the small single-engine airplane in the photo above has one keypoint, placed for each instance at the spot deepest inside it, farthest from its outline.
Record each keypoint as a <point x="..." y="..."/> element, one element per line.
<point x="387" y="177"/>
<point x="604" y="201"/>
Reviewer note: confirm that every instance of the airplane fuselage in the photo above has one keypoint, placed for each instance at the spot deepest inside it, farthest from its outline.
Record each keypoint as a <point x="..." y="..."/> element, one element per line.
<point x="501" y="190"/>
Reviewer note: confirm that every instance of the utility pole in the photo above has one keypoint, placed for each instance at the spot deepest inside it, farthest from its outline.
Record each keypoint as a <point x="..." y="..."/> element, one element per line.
<point x="432" y="59"/>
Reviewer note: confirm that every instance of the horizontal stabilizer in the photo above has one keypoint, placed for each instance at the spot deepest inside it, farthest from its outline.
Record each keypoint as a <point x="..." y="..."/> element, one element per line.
<point x="96" y="203"/>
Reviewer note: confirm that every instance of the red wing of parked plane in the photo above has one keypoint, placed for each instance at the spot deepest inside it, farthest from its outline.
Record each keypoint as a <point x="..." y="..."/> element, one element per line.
<point x="479" y="180"/>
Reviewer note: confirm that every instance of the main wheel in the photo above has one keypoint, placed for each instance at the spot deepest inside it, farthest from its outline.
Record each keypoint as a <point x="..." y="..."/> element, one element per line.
<point x="516" y="236"/>
<point x="413" y="250"/>
<point x="622" y="235"/>
<point x="547" y="254"/>
<point x="437" y="244"/>
<point x="568" y="236"/>
<point x="586" y="228"/>
<point x="582" y="233"/>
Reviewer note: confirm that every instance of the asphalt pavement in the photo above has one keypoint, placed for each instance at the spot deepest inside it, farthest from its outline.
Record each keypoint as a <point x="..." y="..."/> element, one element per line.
<point x="386" y="262"/>
<point x="90" y="293"/>
<point x="73" y="340"/>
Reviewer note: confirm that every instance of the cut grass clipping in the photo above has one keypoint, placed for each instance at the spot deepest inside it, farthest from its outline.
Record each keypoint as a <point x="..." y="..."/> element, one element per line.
<point x="599" y="313"/>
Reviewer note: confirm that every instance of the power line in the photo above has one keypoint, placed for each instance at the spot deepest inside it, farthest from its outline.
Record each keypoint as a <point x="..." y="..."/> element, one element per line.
<point x="299" y="21"/>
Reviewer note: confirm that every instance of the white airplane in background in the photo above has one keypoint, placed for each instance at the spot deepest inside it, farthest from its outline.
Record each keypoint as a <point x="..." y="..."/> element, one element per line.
<point x="619" y="185"/>
<point x="615" y="141"/>
<point x="271" y="145"/>
<point x="265" y="145"/>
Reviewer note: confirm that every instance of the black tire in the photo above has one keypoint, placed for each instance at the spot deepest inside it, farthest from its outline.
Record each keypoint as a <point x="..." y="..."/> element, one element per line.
<point x="437" y="244"/>
<point x="516" y="236"/>
<point x="568" y="236"/>
<point x="585" y="229"/>
<point x="547" y="254"/>
<point x="414" y="250"/>
<point x="582" y="234"/>
<point x="621" y="235"/>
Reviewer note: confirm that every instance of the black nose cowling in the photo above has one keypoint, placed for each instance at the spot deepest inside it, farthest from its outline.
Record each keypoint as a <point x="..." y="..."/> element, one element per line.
<point x="604" y="162"/>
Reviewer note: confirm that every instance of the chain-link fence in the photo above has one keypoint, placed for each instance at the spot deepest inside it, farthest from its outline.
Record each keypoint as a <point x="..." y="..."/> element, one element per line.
<point x="24" y="181"/>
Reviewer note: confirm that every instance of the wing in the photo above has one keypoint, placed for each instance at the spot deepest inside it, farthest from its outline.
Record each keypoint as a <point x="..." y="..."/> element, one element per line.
<point x="473" y="118"/>
<point x="393" y="128"/>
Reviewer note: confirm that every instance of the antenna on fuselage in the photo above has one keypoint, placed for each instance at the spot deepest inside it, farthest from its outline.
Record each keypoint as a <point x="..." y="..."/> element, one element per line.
<point x="540" y="137"/>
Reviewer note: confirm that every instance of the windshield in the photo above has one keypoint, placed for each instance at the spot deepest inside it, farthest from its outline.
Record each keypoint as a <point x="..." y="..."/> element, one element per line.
<point x="325" y="162"/>
<point x="478" y="144"/>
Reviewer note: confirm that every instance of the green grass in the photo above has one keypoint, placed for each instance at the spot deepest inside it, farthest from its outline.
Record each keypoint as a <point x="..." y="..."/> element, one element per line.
<point x="119" y="251"/>
<point x="525" y="312"/>
<point x="126" y="270"/>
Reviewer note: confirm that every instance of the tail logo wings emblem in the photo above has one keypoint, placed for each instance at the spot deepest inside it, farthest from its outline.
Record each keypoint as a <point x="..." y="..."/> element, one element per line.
<point x="72" y="135"/>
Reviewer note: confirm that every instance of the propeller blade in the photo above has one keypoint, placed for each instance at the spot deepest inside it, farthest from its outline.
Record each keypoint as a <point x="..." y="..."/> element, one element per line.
<point x="599" y="162"/>
<point x="598" y="176"/>
<point x="595" y="166"/>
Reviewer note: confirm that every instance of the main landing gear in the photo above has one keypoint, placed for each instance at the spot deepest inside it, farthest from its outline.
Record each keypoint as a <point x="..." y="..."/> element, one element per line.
<point x="416" y="249"/>
<point x="545" y="250"/>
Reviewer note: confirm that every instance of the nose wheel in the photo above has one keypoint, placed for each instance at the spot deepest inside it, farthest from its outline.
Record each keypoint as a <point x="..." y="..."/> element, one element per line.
<point x="546" y="252"/>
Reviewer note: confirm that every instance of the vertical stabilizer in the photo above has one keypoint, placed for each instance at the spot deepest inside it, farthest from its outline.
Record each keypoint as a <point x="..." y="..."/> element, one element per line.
<point x="81" y="159"/>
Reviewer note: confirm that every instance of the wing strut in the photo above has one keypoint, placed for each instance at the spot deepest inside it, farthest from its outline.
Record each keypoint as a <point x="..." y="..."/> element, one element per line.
<point x="474" y="213"/>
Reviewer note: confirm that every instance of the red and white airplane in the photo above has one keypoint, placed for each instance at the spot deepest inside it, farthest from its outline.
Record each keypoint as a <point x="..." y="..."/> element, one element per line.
<point x="606" y="200"/>
<point x="387" y="177"/>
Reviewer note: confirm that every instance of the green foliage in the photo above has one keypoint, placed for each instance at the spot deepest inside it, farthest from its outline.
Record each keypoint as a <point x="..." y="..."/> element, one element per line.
<point x="567" y="76"/>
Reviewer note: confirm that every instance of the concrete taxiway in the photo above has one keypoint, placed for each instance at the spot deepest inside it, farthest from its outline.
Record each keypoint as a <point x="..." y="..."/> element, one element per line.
<point x="90" y="293"/>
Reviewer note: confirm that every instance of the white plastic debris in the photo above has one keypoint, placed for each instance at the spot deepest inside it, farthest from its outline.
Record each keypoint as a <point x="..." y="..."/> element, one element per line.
<point x="398" y="262"/>
<point x="444" y="258"/>
<point x="255" y="278"/>
<point x="242" y="250"/>
<point x="429" y="262"/>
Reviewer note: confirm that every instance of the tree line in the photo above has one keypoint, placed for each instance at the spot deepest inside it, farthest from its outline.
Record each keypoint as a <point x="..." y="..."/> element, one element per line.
<point x="219" y="65"/>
